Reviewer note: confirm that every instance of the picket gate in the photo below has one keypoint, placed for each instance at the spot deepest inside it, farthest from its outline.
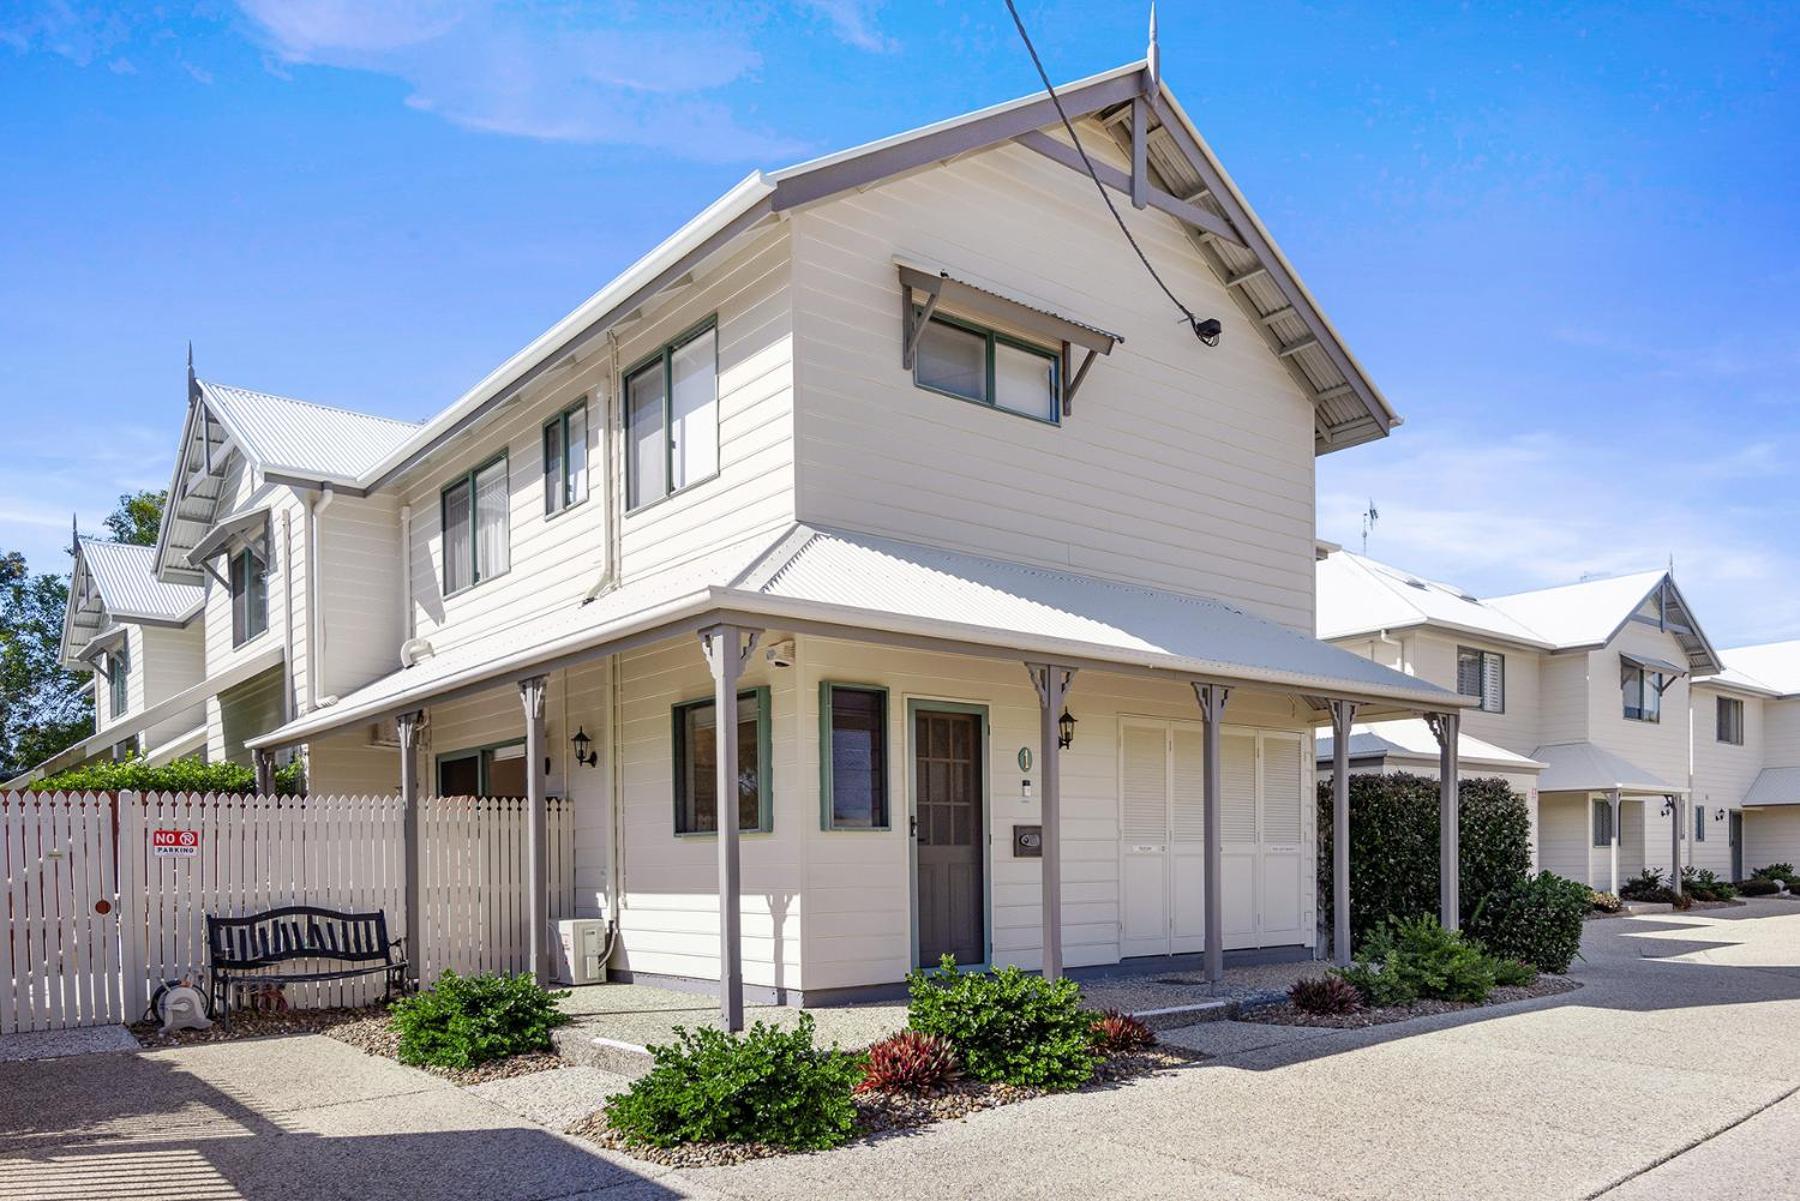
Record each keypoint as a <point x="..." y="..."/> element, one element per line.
<point x="98" y="915"/>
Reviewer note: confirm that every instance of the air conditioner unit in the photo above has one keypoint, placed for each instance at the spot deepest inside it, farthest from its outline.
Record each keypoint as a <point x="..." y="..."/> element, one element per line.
<point x="580" y="949"/>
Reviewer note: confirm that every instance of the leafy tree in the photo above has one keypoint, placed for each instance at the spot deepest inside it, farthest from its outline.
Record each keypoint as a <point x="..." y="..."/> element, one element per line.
<point x="138" y="517"/>
<point x="41" y="710"/>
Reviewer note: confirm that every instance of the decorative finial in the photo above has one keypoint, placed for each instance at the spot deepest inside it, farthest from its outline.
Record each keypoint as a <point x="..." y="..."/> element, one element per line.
<point x="1154" y="55"/>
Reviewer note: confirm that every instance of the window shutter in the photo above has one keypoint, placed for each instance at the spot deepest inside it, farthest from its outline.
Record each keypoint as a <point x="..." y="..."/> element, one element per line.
<point x="1145" y="802"/>
<point x="1283" y="794"/>
<point x="1493" y="682"/>
<point x="1237" y="784"/>
<point x="1190" y="784"/>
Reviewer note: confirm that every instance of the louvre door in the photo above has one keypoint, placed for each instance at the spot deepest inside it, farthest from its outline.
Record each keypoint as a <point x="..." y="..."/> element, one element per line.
<point x="1241" y="875"/>
<point x="1145" y="884"/>
<point x="1282" y="882"/>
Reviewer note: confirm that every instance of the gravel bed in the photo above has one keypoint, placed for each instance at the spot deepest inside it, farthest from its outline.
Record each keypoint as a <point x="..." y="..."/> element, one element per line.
<point x="1283" y="1013"/>
<point x="366" y="1028"/>
<point x="885" y="1115"/>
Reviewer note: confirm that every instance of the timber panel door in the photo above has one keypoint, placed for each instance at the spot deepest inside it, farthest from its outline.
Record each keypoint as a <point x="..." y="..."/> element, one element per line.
<point x="950" y="831"/>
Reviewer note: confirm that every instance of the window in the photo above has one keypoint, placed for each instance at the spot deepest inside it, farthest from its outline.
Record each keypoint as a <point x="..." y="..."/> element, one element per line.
<point x="1730" y="720"/>
<point x="1603" y="823"/>
<point x="978" y="364"/>
<point x="477" y="540"/>
<point x="1699" y="823"/>
<point x="672" y="418"/>
<point x="1482" y="674"/>
<point x="696" y="765"/>
<point x="483" y="771"/>
<point x="118" y="676"/>
<point x="1643" y="692"/>
<point x="853" y="757"/>
<point x="565" y="459"/>
<point x="249" y="596"/>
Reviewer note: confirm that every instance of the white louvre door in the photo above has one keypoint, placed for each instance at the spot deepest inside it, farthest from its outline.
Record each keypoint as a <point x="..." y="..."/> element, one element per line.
<point x="1242" y="879"/>
<point x="1144" y="830"/>
<point x="1282" y="809"/>
<point x="1187" y="828"/>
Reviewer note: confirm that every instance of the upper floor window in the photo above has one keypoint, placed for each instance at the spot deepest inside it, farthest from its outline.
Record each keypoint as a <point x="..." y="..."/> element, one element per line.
<point x="118" y="675"/>
<point x="565" y="459"/>
<point x="672" y="417"/>
<point x="1730" y="720"/>
<point x="1643" y="691"/>
<point x="975" y="363"/>
<point x="249" y="596"/>
<point x="696" y="764"/>
<point x="477" y="540"/>
<point x="1482" y="674"/>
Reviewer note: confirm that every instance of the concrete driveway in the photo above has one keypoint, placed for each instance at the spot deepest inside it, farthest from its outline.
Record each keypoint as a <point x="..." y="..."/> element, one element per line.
<point x="1675" y="1069"/>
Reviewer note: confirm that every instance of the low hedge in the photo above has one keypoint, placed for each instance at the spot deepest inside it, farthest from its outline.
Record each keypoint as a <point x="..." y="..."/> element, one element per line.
<point x="464" y="1021"/>
<point x="1394" y="846"/>
<point x="183" y="775"/>
<point x="1535" y="919"/>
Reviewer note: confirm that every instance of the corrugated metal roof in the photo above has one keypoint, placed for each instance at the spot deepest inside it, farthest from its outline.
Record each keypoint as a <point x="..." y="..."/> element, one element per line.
<point x="865" y="582"/>
<point x="1411" y="738"/>
<point x="297" y="436"/>
<point x="1358" y="595"/>
<point x="1584" y="767"/>
<point x="1583" y="614"/>
<point x="124" y="575"/>
<point x="1772" y="667"/>
<point x="1775" y="786"/>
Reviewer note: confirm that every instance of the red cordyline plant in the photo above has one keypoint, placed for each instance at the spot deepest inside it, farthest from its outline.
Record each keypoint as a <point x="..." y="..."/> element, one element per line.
<point x="1325" y="995"/>
<point x="909" y="1062"/>
<point x="1115" y="1032"/>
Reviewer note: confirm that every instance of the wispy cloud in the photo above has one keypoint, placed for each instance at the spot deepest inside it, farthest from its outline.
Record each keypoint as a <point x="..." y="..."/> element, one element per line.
<point x="1533" y="510"/>
<point x="545" y="73"/>
<point x="854" y="22"/>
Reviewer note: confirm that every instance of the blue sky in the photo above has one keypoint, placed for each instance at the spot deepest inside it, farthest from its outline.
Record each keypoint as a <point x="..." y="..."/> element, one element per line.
<point x="1564" y="239"/>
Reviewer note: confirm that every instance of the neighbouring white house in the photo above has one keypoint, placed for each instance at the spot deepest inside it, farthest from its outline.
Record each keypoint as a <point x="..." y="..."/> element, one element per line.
<point x="890" y="498"/>
<point x="1588" y="684"/>
<point x="1747" y="760"/>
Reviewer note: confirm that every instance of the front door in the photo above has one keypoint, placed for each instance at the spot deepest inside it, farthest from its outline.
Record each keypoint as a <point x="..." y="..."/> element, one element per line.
<point x="1735" y="831"/>
<point x="948" y="827"/>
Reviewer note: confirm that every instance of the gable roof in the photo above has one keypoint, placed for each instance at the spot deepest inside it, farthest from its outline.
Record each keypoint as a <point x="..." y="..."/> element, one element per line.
<point x="1187" y="181"/>
<point x="114" y="582"/>
<point x="1358" y="595"/>
<point x="1772" y="668"/>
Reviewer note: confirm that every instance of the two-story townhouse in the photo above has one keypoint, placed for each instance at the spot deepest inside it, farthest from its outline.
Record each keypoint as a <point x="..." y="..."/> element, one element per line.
<point x="143" y="643"/>
<point x="1588" y="680"/>
<point x="1747" y="760"/>
<point x="889" y="498"/>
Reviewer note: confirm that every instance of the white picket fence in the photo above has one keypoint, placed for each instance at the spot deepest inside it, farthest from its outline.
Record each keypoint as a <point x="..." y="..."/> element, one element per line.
<point x="98" y="916"/>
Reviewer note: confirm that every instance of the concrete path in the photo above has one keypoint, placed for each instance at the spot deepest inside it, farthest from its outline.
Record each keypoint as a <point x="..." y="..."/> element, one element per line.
<point x="1676" y="1070"/>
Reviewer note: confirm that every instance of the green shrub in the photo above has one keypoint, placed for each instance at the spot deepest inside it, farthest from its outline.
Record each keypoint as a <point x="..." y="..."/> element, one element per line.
<point x="1536" y="919"/>
<point x="767" y="1086"/>
<point x="183" y="775"/>
<point x="1703" y="885"/>
<point x="1758" y="887"/>
<point x="1647" y="886"/>
<point x="1605" y="902"/>
<point x="1775" y="871"/>
<point x="1405" y="961"/>
<point x="1394" y="846"/>
<point x="1325" y="995"/>
<point x="1514" y="973"/>
<point x="462" y="1021"/>
<point x="1007" y="1027"/>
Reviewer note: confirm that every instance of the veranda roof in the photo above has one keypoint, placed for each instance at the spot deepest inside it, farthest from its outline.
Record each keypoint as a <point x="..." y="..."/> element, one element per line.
<point x="1775" y="786"/>
<point x="1584" y="767"/>
<point x="862" y="587"/>
<point x="1410" y="739"/>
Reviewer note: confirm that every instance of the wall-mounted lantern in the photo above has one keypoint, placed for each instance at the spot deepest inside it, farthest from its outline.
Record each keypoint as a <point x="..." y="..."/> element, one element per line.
<point x="1065" y="730"/>
<point x="583" y="754"/>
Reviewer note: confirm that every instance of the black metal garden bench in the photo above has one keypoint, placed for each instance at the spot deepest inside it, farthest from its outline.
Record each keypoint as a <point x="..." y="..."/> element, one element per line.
<point x="257" y="948"/>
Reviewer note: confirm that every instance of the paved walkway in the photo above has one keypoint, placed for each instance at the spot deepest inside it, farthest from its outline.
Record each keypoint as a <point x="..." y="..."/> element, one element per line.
<point x="1676" y="1070"/>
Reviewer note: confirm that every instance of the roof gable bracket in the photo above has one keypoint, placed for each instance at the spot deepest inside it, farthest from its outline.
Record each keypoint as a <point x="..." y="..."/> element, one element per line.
<point x="1110" y="176"/>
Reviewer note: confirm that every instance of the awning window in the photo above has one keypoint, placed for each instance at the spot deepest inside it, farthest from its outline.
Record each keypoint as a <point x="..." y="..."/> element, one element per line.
<point x="1667" y="670"/>
<point x="243" y="531"/>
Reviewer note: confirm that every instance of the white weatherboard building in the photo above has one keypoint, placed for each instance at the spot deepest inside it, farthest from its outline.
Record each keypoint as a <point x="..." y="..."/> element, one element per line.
<point x="1603" y="702"/>
<point x="887" y="500"/>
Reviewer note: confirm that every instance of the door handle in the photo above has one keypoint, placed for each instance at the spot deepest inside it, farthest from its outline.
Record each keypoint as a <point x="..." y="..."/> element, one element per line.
<point x="913" y="825"/>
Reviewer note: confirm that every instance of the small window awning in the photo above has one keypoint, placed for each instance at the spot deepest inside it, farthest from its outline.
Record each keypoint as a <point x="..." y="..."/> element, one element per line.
<point x="940" y="287"/>
<point x="229" y="534"/>
<point x="100" y="642"/>
<point x="1649" y="663"/>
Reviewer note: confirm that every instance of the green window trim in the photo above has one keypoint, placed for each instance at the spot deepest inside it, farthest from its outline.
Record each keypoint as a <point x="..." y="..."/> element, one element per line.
<point x="665" y="355"/>
<point x="827" y="808"/>
<point x="995" y="338"/>
<point x="249" y="594"/>
<point x="561" y="492"/>
<point x="476" y="579"/>
<point x="765" y="815"/>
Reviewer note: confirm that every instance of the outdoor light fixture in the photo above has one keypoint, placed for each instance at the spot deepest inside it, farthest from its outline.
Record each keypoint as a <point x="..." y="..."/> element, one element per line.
<point x="1719" y="816"/>
<point x="584" y="756"/>
<point x="1065" y="729"/>
<point x="1209" y="330"/>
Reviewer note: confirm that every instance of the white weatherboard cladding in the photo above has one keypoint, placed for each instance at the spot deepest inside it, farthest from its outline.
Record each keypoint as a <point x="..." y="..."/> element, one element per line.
<point x="1771" y="836"/>
<point x="1181" y="467"/>
<point x="1519" y="727"/>
<point x="1781" y="733"/>
<point x="165" y="661"/>
<point x="1565" y="714"/>
<point x="1659" y="747"/>
<point x="360" y="582"/>
<point x="556" y="560"/>
<point x="1723" y="773"/>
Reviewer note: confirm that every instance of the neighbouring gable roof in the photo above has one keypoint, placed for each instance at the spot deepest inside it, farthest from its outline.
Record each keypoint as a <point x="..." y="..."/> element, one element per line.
<point x="115" y="582"/>
<point x="1769" y="667"/>
<point x="1358" y="595"/>
<point x="1188" y="183"/>
<point x="1775" y="786"/>
<point x="1409" y="739"/>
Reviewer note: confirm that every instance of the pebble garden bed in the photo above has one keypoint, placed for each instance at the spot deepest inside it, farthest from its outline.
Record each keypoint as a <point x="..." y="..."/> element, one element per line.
<point x="885" y="1115"/>
<point x="1283" y="1013"/>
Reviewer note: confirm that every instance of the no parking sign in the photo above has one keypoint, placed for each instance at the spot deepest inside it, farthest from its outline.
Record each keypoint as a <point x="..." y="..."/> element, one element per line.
<point x="175" y="842"/>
